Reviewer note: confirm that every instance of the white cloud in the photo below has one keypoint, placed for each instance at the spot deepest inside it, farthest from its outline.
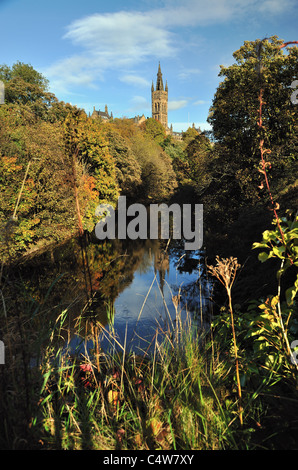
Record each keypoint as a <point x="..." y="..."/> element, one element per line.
<point x="275" y="7"/>
<point x="173" y="105"/>
<point x="127" y="37"/>
<point x="135" y="80"/>
<point x="200" y="102"/>
<point x="120" y="40"/>
<point x="203" y="13"/>
<point x="187" y="73"/>
<point x="139" y="103"/>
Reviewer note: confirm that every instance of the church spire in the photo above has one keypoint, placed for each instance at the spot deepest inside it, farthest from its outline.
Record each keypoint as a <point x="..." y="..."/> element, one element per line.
<point x="159" y="82"/>
<point x="159" y="99"/>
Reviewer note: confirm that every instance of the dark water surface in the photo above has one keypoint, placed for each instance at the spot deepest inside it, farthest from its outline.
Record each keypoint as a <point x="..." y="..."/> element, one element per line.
<point x="135" y="287"/>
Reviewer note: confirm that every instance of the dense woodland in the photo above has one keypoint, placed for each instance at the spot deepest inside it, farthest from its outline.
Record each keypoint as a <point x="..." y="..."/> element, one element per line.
<point x="57" y="164"/>
<point x="66" y="149"/>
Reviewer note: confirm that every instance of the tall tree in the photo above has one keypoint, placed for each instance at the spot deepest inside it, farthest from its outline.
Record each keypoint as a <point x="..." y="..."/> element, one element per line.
<point x="234" y="116"/>
<point x="28" y="90"/>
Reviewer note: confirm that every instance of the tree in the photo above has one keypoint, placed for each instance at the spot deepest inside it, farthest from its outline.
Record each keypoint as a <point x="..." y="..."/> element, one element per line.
<point x="25" y="72"/>
<point x="158" y="176"/>
<point x="190" y="134"/>
<point x="235" y="112"/>
<point x="198" y="155"/>
<point x="128" y="169"/>
<point x="36" y="192"/>
<point x="86" y="145"/>
<point x="154" y="129"/>
<point x="27" y="89"/>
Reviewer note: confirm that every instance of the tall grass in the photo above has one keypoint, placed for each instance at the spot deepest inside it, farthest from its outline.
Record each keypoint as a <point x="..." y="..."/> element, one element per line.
<point x="115" y="399"/>
<point x="179" y="393"/>
<point x="170" y="398"/>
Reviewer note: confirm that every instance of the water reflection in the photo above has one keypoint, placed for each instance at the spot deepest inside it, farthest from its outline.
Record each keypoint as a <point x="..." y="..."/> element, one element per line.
<point x="134" y="287"/>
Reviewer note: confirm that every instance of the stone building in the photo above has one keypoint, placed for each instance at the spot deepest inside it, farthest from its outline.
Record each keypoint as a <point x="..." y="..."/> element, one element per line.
<point x="102" y="114"/>
<point x="139" y="119"/>
<point x="159" y="100"/>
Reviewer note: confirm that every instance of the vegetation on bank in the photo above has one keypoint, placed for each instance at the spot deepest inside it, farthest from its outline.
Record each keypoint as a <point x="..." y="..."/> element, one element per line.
<point x="231" y="387"/>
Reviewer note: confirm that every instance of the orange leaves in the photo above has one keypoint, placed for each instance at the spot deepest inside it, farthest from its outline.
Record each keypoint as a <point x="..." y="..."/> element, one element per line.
<point x="8" y="164"/>
<point x="88" y="187"/>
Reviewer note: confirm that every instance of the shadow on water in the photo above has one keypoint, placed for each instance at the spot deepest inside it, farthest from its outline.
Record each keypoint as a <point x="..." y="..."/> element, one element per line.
<point x="127" y="287"/>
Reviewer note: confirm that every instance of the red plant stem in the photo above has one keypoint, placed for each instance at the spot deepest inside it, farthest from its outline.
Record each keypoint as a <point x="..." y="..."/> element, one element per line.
<point x="285" y="44"/>
<point x="260" y="123"/>
<point x="74" y="173"/>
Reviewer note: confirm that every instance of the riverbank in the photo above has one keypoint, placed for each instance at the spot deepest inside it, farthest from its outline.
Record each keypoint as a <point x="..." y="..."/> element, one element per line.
<point x="180" y="394"/>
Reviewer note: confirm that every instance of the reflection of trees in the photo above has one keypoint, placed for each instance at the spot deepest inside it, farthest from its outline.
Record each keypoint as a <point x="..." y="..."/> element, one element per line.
<point x="90" y="270"/>
<point x="93" y="274"/>
<point x="161" y="265"/>
<point x="195" y="295"/>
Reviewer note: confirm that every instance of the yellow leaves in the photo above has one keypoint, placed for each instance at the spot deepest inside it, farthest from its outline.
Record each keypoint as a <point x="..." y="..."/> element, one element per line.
<point x="269" y="308"/>
<point x="270" y="303"/>
<point x="8" y="164"/>
<point x="155" y="426"/>
<point x="113" y="398"/>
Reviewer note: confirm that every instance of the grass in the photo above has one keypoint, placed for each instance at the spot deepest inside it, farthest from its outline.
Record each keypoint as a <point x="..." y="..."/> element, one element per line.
<point x="179" y="394"/>
<point x="114" y="399"/>
<point x="162" y="401"/>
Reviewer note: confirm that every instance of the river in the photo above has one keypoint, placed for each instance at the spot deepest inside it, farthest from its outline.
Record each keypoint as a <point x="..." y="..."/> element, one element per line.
<point x="129" y="287"/>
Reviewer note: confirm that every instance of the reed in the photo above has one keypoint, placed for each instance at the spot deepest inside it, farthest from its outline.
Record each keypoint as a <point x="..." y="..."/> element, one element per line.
<point x="173" y="396"/>
<point x="118" y="400"/>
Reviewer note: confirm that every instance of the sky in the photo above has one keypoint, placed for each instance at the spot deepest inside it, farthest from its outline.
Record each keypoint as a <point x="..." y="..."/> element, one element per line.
<point x="97" y="53"/>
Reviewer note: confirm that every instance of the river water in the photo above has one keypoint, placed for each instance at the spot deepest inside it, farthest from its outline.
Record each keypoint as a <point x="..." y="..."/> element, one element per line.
<point x="135" y="287"/>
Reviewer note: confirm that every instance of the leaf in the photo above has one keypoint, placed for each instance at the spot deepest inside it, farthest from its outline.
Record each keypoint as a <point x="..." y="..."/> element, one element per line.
<point x="263" y="256"/>
<point x="291" y="293"/>
<point x="113" y="398"/>
<point x="279" y="251"/>
<point x="156" y="426"/>
<point x="259" y="245"/>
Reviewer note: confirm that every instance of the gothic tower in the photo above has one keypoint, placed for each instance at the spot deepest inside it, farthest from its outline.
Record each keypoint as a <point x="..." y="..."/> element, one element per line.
<point x="159" y="99"/>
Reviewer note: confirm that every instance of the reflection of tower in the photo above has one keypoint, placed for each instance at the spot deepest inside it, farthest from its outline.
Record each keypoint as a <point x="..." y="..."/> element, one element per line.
<point x="159" y="98"/>
<point x="161" y="265"/>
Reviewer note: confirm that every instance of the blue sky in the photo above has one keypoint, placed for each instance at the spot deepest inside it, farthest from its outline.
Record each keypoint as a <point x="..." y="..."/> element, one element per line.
<point x="98" y="52"/>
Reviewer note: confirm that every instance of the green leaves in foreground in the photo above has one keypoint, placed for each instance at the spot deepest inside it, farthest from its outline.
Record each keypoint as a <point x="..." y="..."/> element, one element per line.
<point x="282" y="243"/>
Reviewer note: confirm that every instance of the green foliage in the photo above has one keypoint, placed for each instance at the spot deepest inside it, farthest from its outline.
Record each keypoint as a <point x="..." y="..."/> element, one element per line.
<point x="199" y="154"/>
<point x="190" y="134"/>
<point x="282" y="243"/>
<point x="234" y="118"/>
<point x="128" y="169"/>
<point x="25" y="72"/>
<point x="85" y="144"/>
<point x="46" y="199"/>
<point x="267" y="328"/>
<point x="158" y="177"/>
<point x="26" y="92"/>
<point x="154" y="130"/>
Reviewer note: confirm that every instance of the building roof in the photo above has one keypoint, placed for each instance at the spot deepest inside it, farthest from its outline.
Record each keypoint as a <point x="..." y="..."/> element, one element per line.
<point x="103" y="114"/>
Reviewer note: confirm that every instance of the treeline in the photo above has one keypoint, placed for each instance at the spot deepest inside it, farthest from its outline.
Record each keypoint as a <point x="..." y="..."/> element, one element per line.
<point x="253" y="108"/>
<point x="57" y="164"/>
<point x="75" y="162"/>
